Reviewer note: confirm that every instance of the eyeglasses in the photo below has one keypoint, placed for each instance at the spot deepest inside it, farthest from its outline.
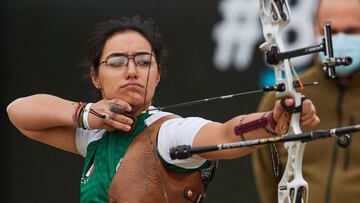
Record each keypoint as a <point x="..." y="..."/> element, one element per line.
<point x="120" y="60"/>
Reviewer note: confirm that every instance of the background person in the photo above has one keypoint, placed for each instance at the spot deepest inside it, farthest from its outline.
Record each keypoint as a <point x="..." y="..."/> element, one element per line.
<point x="333" y="173"/>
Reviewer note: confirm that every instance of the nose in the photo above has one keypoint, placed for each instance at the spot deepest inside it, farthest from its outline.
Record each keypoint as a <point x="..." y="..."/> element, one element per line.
<point x="131" y="71"/>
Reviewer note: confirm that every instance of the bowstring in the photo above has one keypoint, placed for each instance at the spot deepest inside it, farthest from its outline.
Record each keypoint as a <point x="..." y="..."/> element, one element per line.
<point x="153" y="146"/>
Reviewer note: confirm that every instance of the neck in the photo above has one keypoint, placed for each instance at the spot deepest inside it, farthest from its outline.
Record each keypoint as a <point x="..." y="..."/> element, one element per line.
<point x="137" y="110"/>
<point x="345" y="81"/>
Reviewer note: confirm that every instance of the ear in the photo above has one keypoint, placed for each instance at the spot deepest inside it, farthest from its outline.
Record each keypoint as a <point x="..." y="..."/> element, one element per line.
<point x="94" y="78"/>
<point x="158" y="75"/>
<point x="158" y="78"/>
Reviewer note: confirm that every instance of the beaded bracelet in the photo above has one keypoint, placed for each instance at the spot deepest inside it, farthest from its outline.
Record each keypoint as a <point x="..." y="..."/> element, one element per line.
<point x="75" y="116"/>
<point x="270" y="132"/>
<point x="81" y="115"/>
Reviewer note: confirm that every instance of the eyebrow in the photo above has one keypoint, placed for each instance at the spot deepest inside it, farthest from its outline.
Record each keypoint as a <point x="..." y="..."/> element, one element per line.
<point x="124" y="54"/>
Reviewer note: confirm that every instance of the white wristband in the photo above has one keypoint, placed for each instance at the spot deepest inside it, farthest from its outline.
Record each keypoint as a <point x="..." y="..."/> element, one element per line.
<point x="86" y="116"/>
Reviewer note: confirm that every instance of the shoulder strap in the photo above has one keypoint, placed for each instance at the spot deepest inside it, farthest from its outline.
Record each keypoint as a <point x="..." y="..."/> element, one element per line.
<point x="138" y="178"/>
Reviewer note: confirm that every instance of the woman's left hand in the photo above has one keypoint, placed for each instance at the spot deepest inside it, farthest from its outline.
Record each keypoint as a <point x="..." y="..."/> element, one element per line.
<point x="308" y="114"/>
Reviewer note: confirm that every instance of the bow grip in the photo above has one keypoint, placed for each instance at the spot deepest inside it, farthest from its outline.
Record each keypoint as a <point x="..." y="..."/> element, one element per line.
<point x="296" y="109"/>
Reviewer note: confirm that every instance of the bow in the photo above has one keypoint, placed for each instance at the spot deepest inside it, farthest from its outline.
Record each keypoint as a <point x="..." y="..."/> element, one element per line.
<point x="275" y="16"/>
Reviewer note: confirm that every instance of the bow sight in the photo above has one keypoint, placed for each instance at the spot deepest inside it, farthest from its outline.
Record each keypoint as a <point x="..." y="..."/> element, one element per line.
<point x="274" y="56"/>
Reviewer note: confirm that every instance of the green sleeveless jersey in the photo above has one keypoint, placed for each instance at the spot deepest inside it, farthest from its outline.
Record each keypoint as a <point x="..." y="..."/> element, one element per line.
<point x="102" y="159"/>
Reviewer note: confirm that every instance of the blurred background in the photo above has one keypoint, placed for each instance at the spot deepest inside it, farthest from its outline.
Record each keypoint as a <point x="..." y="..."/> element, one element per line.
<point x="213" y="49"/>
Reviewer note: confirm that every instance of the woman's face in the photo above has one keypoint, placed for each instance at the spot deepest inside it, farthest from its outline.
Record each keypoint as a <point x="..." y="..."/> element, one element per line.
<point x="125" y="78"/>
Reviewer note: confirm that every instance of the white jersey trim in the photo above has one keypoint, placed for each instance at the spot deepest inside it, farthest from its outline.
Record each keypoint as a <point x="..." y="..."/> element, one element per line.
<point x="173" y="132"/>
<point x="180" y="131"/>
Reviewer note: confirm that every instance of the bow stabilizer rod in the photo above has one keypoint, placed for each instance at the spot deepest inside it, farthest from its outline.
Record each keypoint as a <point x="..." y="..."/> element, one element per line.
<point x="186" y="151"/>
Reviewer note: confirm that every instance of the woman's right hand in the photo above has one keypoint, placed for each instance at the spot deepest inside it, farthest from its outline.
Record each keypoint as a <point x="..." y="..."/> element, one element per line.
<point x="112" y="121"/>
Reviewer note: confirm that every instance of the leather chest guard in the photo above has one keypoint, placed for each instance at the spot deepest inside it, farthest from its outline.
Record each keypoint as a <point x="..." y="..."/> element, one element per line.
<point x="140" y="174"/>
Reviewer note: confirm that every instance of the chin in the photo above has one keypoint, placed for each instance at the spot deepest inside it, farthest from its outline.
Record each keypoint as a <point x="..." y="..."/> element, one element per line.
<point x="135" y="100"/>
<point x="136" y="103"/>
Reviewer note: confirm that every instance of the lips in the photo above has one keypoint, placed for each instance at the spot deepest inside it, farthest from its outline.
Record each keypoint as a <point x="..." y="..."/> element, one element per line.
<point x="132" y="84"/>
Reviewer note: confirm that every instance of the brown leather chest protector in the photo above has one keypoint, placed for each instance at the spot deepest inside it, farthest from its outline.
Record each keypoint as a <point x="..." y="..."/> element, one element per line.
<point x="142" y="177"/>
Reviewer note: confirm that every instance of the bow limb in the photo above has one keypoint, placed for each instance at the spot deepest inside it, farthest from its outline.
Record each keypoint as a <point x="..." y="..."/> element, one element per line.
<point x="275" y="16"/>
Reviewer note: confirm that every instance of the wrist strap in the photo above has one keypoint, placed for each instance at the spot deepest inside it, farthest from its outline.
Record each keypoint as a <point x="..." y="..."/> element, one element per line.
<point x="256" y="124"/>
<point x="86" y="116"/>
<point x="250" y="126"/>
